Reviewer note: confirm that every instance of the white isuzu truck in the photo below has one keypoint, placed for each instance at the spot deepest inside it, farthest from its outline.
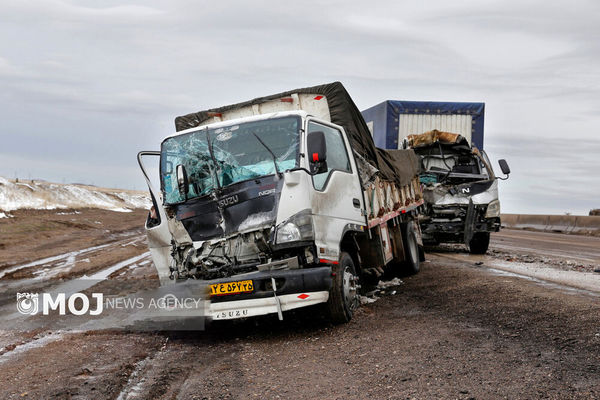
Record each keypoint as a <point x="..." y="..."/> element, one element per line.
<point x="283" y="202"/>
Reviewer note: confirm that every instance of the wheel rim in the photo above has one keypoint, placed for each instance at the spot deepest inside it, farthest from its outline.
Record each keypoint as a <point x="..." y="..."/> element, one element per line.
<point x="350" y="287"/>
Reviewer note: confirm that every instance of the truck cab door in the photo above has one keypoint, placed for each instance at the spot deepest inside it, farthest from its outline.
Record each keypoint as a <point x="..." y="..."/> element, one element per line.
<point x="336" y="198"/>
<point x="157" y="229"/>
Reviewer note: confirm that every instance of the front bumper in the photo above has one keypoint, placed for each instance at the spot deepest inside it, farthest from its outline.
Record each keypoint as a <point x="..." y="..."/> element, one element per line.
<point x="453" y="231"/>
<point x="484" y="225"/>
<point x="293" y="289"/>
<point x="268" y="305"/>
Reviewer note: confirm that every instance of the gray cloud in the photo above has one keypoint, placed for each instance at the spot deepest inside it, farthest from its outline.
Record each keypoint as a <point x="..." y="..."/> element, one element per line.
<point x="87" y="85"/>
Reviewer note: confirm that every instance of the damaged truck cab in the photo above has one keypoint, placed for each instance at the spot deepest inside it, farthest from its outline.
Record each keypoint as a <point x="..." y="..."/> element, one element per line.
<point x="459" y="188"/>
<point x="458" y="182"/>
<point x="266" y="203"/>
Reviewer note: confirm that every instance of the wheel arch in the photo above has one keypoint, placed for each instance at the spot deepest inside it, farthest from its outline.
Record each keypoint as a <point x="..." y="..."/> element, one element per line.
<point x="349" y="245"/>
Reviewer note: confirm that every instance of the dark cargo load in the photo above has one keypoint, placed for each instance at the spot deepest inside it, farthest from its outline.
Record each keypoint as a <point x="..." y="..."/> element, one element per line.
<point x="398" y="165"/>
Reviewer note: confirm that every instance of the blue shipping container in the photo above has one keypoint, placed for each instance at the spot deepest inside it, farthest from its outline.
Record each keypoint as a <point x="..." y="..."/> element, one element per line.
<point x="391" y="121"/>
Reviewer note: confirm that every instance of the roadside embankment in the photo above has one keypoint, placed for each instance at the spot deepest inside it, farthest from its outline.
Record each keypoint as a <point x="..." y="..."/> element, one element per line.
<point x="574" y="224"/>
<point x="42" y="195"/>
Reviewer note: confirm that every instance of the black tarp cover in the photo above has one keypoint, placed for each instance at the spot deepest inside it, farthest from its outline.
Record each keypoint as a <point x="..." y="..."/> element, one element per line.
<point x="405" y="161"/>
<point x="343" y="112"/>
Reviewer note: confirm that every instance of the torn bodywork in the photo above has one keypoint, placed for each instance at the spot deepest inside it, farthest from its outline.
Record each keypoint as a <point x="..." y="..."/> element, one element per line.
<point x="459" y="189"/>
<point x="274" y="203"/>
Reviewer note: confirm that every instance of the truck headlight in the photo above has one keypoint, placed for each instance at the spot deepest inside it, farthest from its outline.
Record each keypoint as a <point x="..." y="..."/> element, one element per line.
<point x="493" y="209"/>
<point x="298" y="227"/>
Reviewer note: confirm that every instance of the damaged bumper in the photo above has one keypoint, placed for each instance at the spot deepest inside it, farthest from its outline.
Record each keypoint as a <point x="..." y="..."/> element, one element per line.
<point x="273" y="292"/>
<point x="268" y="305"/>
<point x="458" y="227"/>
<point x="451" y="224"/>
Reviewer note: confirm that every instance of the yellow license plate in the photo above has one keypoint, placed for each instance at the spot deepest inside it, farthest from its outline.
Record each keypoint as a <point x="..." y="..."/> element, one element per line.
<point x="222" y="289"/>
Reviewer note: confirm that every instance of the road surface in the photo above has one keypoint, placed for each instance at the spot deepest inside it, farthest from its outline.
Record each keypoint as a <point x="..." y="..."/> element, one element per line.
<point x="585" y="249"/>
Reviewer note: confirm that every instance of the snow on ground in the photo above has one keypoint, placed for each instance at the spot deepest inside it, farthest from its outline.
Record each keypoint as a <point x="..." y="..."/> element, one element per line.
<point x="41" y="195"/>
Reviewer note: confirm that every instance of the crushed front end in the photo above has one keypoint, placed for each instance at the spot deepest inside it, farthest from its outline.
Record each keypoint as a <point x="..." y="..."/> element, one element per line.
<point x="459" y="189"/>
<point x="221" y="187"/>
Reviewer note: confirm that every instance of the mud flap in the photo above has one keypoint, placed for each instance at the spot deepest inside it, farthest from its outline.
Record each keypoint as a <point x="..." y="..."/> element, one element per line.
<point x="469" y="223"/>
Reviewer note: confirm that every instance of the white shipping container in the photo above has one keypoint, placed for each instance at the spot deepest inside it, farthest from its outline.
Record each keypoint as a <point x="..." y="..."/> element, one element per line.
<point x="414" y="124"/>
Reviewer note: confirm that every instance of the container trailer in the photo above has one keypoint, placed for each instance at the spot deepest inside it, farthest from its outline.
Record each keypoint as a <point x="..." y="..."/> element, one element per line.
<point x="460" y="188"/>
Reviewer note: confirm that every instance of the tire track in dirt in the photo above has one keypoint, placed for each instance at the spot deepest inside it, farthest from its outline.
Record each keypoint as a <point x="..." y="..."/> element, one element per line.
<point x="167" y="373"/>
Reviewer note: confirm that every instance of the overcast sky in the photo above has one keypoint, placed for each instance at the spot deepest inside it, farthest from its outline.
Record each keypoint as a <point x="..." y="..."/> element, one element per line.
<point x="85" y="86"/>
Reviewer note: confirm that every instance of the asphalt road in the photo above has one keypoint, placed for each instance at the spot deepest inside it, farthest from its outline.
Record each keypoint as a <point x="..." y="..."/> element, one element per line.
<point x="573" y="247"/>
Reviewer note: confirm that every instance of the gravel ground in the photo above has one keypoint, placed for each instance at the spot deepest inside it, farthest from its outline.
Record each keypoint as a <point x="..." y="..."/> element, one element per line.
<point x="456" y="330"/>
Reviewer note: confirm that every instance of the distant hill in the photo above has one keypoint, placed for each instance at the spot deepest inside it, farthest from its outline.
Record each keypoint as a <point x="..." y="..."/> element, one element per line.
<point x="42" y="195"/>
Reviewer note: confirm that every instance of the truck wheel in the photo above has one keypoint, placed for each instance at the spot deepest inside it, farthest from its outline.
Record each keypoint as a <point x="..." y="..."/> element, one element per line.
<point x="343" y="295"/>
<point x="479" y="243"/>
<point x="411" y="250"/>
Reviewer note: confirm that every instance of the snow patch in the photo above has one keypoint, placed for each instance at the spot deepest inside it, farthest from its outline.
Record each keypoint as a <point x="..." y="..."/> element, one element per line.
<point x="4" y="215"/>
<point x="33" y="344"/>
<point x="66" y="257"/>
<point x="104" y="274"/>
<point x="41" y="195"/>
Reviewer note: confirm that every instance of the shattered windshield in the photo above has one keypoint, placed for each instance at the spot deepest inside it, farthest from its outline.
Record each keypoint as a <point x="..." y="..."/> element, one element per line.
<point x="451" y="165"/>
<point x="222" y="156"/>
<point x="449" y="161"/>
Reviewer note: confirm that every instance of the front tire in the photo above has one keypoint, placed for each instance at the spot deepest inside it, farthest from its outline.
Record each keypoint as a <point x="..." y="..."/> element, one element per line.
<point x="479" y="243"/>
<point x="343" y="295"/>
<point x="412" y="255"/>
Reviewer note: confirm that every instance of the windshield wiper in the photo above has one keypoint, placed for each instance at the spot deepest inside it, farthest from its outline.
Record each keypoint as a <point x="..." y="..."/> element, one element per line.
<point x="271" y="152"/>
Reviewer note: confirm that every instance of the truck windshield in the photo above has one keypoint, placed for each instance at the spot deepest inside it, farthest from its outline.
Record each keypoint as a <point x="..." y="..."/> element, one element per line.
<point x="451" y="166"/>
<point x="449" y="161"/>
<point x="223" y="156"/>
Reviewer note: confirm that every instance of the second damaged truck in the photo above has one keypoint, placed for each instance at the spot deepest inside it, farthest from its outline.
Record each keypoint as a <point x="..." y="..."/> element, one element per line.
<point x="283" y="202"/>
<point x="459" y="186"/>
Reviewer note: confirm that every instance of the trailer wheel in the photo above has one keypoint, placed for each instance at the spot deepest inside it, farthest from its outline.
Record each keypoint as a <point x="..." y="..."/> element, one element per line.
<point x="479" y="243"/>
<point x="411" y="249"/>
<point x="343" y="295"/>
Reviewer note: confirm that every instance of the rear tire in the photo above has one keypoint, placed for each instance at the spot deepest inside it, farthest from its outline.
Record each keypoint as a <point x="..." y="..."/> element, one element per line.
<point x="412" y="264"/>
<point x="479" y="243"/>
<point x="343" y="295"/>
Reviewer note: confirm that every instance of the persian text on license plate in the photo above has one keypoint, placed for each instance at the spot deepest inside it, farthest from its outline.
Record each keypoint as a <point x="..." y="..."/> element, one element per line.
<point x="220" y="289"/>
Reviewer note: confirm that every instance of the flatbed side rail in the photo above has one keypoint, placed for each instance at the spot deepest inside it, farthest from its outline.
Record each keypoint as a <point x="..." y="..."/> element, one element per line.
<point x="386" y="200"/>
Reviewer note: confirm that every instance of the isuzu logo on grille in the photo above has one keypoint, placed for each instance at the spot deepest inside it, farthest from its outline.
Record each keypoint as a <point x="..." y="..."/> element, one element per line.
<point x="229" y="201"/>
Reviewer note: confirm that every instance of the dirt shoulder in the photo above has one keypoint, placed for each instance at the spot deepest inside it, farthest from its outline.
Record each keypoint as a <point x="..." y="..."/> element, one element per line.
<point x="454" y="331"/>
<point x="35" y="234"/>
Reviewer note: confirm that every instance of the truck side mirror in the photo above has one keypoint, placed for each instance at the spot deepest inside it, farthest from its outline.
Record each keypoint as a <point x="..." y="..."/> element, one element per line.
<point x="504" y="166"/>
<point x="317" y="152"/>
<point x="182" y="180"/>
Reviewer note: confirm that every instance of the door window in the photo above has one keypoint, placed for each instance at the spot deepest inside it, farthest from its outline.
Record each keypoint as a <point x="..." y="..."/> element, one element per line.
<point x="337" y="156"/>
